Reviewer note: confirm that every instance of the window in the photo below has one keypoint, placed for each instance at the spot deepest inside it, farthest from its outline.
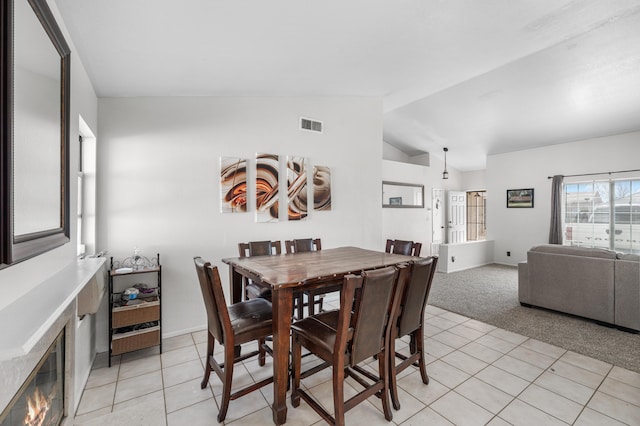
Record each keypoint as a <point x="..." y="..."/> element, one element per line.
<point x="476" y="215"/>
<point x="80" y="241"/>
<point x="86" y="181"/>
<point x="604" y="214"/>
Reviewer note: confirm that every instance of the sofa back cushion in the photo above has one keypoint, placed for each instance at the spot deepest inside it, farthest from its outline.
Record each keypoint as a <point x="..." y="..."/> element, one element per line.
<point x="574" y="251"/>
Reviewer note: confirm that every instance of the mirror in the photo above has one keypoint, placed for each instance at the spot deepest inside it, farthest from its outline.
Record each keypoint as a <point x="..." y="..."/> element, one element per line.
<point x="35" y="136"/>
<point x="402" y="195"/>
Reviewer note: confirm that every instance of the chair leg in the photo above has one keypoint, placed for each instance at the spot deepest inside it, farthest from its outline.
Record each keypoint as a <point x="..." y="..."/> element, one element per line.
<point x="420" y="348"/>
<point x="393" y="387"/>
<point x="338" y="394"/>
<point x="207" y="368"/>
<point x="383" y="368"/>
<point x="261" y="352"/>
<point x="296" y="366"/>
<point x="226" y="383"/>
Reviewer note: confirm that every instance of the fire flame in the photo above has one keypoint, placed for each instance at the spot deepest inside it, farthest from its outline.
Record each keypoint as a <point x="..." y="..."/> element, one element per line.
<point x="37" y="408"/>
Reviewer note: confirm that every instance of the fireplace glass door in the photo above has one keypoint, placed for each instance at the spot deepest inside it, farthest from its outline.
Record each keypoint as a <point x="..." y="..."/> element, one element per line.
<point x="40" y="401"/>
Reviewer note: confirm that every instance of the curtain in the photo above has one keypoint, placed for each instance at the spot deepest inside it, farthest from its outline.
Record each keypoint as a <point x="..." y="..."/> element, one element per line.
<point x="555" y="228"/>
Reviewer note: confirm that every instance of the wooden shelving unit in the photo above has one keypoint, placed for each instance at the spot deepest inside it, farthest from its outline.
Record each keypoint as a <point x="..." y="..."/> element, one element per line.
<point x="135" y="323"/>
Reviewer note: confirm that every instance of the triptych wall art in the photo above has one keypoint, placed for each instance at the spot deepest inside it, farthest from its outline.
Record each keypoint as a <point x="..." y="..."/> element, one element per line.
<point x="234" y="177"/>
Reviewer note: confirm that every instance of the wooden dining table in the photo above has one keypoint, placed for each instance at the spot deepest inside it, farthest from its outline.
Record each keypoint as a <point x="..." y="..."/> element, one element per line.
<point x="289" y="273"/>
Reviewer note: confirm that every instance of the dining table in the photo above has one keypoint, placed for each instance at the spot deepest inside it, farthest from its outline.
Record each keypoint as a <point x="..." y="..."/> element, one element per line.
<point x="294" y="272"/>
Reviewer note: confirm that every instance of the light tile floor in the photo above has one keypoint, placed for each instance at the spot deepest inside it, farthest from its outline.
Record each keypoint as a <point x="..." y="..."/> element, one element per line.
<point x="479" y="375"/>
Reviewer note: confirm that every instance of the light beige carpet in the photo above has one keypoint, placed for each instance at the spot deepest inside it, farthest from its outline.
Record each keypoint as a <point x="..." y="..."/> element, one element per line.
<point x="490" y="294"/>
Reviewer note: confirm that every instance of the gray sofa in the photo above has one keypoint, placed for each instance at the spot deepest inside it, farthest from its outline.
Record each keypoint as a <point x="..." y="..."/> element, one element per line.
<point x="593" y="283"/>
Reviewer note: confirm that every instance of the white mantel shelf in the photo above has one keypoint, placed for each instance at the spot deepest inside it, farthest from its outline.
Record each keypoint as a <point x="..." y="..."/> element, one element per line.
<point x="26" y="320"/>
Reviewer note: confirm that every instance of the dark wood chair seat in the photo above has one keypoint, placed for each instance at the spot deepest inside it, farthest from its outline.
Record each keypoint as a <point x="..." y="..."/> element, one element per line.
<point x="345" y="338"/>
<point x="231" y="326"/>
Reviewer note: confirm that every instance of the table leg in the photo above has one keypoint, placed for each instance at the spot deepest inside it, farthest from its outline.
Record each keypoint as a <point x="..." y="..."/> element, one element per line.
<point x="236" y="285"/>
<point x="282" y="300"/>
<point x="236" y="295"/>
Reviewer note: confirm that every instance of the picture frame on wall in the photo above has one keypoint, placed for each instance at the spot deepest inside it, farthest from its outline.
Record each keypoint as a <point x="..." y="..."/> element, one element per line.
<point x="520" y="198"/>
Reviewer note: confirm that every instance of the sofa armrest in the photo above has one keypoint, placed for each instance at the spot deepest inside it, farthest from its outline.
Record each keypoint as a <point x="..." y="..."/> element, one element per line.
<point x="524" y="289"/>
<point x="627" y="294"/>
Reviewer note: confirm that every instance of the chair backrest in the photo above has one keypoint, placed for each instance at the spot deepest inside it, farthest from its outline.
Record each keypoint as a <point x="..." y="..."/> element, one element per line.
<point x="362" y="331"/>
<point x="416" y="294"/>
<point x="259" y="248"/>
<point x="218" y="319"/>
<point x="408" y="248"/>
<point x="303" y="245"/>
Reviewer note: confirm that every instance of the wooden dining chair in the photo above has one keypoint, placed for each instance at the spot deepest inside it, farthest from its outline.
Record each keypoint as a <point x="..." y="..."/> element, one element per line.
<point x="347" y="337"/>
<point x="315" y="297"/>
<point x="410" y="321"/>
<point x="253" y="290"/>
<point x="231" y="326"/>
<point x="408" y="248"/>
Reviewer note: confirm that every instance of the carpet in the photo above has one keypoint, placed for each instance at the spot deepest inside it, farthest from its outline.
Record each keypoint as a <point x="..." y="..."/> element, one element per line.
<point x="490" y="294"/>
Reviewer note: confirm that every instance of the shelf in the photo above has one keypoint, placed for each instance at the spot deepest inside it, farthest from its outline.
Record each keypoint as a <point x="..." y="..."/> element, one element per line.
<point x="136" y="323"/>
<point x="115" y="272"/>
<point x="123" y="316"/>
<point x="135" y="340"/>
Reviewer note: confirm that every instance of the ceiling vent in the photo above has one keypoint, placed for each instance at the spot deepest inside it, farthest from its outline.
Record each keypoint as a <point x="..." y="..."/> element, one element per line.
<point x="312" y="125"/>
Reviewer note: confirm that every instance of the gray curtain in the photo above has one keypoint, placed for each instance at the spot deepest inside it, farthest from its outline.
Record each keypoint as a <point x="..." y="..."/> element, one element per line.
<point x="555" y="228"/>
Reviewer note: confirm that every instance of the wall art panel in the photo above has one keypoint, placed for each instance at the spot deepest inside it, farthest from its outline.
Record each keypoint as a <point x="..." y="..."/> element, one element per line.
<point x="267" y="187"/>
<point x="321" y="188"/>
<point x="297" y="202"/>
<point x="233" y="185"/>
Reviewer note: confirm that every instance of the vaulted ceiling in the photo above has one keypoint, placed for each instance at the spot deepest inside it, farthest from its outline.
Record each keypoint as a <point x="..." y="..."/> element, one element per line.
<point x="477" y="76"/>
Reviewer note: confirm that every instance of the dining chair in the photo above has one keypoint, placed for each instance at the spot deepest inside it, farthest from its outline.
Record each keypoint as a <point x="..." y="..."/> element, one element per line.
<point x="253" y="290"/>
<point x="231" y="326"/>
<point x="410" y="321"/>
<point x="347" y="337"/>
<point x="408" y="248"/>
<point x="315" y="297"/>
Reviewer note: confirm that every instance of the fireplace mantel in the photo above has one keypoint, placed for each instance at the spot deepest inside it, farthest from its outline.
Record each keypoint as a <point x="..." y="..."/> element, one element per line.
<point x="27" y="319"/>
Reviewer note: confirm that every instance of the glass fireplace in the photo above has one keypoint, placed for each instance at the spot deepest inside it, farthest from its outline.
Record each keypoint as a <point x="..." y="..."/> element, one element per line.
<point x="40" y="400"/>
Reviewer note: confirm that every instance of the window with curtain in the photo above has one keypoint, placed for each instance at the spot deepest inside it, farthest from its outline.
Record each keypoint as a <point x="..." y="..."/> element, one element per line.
<point x="603" y="214"/>
<point x="476" y="215"/>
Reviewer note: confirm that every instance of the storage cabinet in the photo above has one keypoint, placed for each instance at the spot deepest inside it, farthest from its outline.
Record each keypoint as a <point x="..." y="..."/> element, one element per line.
<point x="135" y="317"/>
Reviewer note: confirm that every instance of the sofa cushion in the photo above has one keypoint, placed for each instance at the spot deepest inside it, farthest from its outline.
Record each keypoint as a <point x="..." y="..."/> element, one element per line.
<point x="575" y="251"/>
<point x="628" y="257"/>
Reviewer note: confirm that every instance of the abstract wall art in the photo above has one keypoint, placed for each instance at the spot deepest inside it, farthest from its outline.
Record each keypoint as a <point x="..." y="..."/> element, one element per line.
<point x="297" y="202"/>
<point x="267" y="176"/>
<point x="233" y="185"/>
<point x="321" y="188"/>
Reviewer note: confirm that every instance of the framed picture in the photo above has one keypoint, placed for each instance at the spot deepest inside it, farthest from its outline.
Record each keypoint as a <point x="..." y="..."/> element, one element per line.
<point x="520" y="198"/>
<point x="395" y="201"/>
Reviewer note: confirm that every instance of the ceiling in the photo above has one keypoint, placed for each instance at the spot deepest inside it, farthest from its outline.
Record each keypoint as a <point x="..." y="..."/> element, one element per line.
<point x="477" y="76"/>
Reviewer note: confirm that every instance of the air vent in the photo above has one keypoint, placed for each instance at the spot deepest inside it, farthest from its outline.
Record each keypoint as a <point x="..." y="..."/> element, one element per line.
<point x="312" y="125"/>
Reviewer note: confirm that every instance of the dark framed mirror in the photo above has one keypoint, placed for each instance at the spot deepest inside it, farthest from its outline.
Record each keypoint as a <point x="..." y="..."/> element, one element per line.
<point x="402" y="195"/>
<point x="34" y="114"/>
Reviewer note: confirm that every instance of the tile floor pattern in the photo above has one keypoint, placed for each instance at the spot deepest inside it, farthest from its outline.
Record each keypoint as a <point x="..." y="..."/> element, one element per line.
<point x="479" y="375"/>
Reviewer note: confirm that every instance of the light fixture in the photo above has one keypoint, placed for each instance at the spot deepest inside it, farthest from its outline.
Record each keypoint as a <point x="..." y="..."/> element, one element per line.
<point x="445" y="174"/>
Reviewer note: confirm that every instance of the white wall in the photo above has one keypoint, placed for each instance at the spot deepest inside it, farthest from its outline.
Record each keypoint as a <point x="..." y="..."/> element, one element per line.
<point x="474" y="181"/>
<point x="458" y="257"/>
<point x="415" y="224"/>
<point x="158" y="181"/>
<point x="517" y="230"/>
<point x="18" y="279"/>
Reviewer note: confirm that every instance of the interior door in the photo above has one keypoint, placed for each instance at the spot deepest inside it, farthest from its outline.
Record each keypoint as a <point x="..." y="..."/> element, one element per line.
<point x="457" y="217"/>
<point x="438" y="223"/>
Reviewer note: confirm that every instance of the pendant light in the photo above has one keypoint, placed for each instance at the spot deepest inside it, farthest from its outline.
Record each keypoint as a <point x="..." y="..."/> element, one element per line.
<point x="445" y="174"/>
